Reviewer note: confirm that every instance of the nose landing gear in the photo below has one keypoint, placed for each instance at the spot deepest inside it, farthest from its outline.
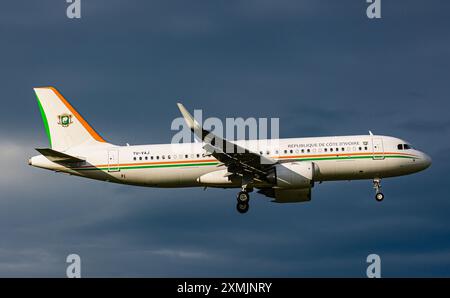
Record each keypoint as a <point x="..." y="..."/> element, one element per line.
<point x="379" y="196"/>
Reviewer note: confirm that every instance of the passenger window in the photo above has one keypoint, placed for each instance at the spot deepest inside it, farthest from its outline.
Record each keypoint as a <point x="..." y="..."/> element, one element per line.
<point x="186" y="156"/>
<point x="146" y="158"/>
<point x="140" y="158"/>
<point x="342" y="149"/>
<point x="168" y="156"/>
<point x="360" y="148"/>
<point x="331" y="149"/>
<point x="325" y="149"/>
<point x="308" y="150"/>
<point x="198" y="155"/>
<point x="303" y="150"/>
<point x="285" y="151"/>
<point x="134" y="158"/>
<point x="337" y="149"/>
<point x="151" y="157"/>
<point x="157" y="157"/>
<point x="365" y="148"/>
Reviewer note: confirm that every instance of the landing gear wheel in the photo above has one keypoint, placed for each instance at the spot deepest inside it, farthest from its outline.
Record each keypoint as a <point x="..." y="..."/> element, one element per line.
<point x="242" y="207"/>
<point x="243" y="197"/>
<point x="379" y="196"/>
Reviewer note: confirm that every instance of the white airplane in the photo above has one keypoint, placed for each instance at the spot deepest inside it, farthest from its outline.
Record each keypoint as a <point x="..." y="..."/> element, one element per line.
<point x="282" y="169"/>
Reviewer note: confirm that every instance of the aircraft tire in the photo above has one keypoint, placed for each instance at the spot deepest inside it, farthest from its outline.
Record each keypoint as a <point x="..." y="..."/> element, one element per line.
<point x="242" y="207"/>
<point x="379" y="196"/>
<point x="243" y="197"/>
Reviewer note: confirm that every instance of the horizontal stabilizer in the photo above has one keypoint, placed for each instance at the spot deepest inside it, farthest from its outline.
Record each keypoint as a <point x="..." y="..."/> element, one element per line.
<point x="59" y="157"/>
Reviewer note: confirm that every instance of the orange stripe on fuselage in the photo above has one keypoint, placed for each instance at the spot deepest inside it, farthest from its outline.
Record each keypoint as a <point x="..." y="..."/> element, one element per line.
<point x="153" y="163"/>
<point x="215" y="160"/>
<point x="83" y="122"/>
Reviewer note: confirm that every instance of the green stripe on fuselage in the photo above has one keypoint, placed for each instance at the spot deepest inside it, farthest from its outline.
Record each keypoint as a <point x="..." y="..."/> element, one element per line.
<point x="216" y="163"/>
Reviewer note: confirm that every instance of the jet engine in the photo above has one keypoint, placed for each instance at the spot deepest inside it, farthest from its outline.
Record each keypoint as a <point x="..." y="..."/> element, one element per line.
<point x="292" y="175"/>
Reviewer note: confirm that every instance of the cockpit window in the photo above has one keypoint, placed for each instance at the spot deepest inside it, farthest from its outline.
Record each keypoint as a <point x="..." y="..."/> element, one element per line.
<point x="407" y="146"/>
<point x="400" y="146"/>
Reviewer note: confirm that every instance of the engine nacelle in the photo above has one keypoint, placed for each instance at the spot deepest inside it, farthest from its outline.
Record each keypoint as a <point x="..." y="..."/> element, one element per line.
<point x="293" y="175"/>
<point x="217" y="178"/>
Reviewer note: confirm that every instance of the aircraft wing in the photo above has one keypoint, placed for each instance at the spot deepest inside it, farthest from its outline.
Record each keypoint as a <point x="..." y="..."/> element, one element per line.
<point x="58" y="157"/>
<point x="237" y="159"/>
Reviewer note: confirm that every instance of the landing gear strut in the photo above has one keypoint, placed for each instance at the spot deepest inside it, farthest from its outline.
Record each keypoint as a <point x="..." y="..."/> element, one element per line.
<point x="379" y="196"/>
<point x="243" y="199"/>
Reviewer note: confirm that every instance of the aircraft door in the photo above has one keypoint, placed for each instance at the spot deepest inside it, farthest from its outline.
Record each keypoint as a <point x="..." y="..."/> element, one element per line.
<point x="377" y="148"/>
<point x="113" y="160"/>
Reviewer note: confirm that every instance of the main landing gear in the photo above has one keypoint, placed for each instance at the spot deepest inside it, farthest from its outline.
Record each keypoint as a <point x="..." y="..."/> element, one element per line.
<point x="243" y="199"/>
<point x="379" y="196"/>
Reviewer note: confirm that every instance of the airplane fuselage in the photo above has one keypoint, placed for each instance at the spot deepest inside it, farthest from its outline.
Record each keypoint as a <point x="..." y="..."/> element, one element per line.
<point x="188" y="165"/>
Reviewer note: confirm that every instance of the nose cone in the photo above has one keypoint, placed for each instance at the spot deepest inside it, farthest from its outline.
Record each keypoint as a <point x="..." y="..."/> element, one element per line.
<point x="426" y="161"/>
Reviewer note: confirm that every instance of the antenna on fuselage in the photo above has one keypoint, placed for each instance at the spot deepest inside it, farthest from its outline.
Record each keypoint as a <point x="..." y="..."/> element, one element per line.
<point x="370" y="133"/>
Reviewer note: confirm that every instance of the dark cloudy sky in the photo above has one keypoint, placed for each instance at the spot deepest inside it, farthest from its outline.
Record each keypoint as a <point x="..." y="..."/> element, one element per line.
<point x="321" y="66"/>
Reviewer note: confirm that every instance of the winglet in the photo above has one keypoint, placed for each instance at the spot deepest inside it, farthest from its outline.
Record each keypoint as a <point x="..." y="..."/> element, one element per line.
<point x="191" y="122"/>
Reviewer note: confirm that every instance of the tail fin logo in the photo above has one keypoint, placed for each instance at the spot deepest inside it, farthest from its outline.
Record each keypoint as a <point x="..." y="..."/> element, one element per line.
<point x="65" y="120"/>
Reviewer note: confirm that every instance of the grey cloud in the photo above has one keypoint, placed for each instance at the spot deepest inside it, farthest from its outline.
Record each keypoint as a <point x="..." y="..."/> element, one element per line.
<point x="435" y="126"/>
<point x="321" y="67"/>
